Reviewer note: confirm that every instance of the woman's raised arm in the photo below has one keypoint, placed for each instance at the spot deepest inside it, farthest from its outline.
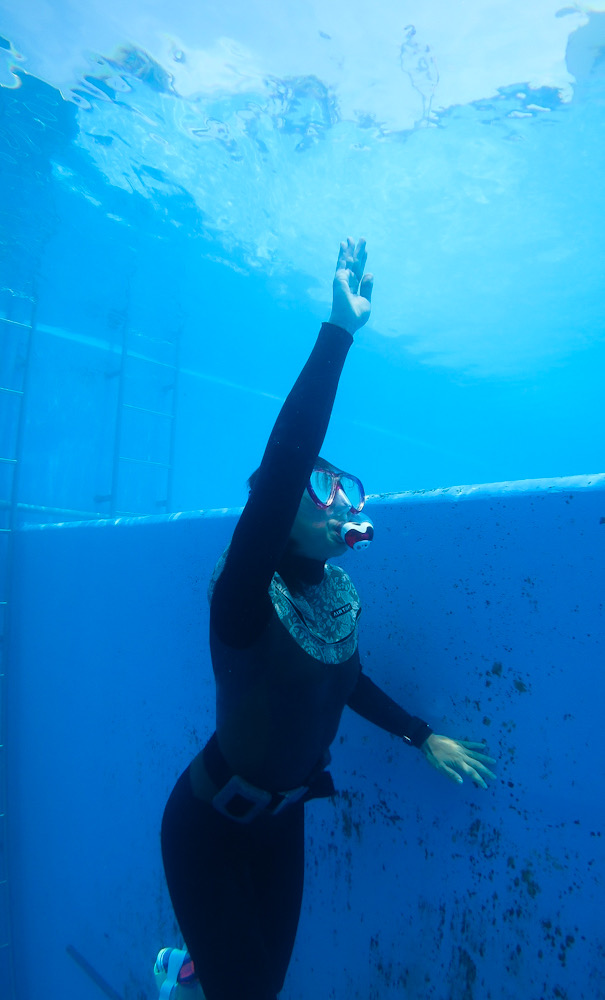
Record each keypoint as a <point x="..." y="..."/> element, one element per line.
<point x="241" y="606"/>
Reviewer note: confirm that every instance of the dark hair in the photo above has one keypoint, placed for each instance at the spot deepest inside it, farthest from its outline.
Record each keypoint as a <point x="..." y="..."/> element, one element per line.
<point x="320" y="461"/>
<point x="252" y="479"/>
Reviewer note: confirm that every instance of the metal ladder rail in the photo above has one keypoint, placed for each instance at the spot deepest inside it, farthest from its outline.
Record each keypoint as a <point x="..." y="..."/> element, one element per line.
<point x="171" y="369"/>
<point x="8" y="523"/>
<point x="115" y="477"/>
<point x="175" y="398"/>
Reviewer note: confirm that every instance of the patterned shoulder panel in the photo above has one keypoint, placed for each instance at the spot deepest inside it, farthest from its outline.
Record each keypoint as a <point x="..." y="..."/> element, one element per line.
<point x="321" y="619"/>
<point x="216" y="572"/>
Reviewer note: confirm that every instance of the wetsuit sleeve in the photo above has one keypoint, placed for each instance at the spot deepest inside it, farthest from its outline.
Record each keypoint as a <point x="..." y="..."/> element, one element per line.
<point x="241" y="606"/>
<point x="374" y="705"/>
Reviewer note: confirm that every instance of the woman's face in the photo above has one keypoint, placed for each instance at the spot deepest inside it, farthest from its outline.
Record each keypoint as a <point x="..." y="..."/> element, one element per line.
<point x="316" y="532"/>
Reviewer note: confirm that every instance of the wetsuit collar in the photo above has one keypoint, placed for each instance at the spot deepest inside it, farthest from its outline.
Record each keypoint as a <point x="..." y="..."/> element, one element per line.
<point x="298" y="570"/>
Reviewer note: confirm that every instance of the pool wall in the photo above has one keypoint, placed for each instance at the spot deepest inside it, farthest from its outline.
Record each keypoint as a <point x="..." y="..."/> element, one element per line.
<point x="483" y="614"/>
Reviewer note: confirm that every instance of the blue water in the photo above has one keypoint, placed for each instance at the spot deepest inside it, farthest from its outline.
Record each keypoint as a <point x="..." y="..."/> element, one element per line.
<point x="212" y="219"/>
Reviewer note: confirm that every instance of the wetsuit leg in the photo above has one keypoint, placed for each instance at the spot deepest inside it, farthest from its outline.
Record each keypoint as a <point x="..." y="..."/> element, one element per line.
<point x="236" y="891"/>
<point x="278" y="875"/>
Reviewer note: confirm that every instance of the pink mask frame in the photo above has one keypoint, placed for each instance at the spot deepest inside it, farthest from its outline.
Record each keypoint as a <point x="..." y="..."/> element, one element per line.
<point x="335" y="485"/>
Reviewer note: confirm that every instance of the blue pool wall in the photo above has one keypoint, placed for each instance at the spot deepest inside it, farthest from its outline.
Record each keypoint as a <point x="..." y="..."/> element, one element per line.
<point x="482" y="613"/>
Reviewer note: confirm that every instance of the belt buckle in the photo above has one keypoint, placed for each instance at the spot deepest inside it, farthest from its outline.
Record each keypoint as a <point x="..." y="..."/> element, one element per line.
<point x="288" y="798"/>
<point x="257" y="799"/>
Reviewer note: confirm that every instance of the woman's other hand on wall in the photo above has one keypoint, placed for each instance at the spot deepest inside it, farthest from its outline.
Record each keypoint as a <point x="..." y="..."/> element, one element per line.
<point x="456" y="758"/>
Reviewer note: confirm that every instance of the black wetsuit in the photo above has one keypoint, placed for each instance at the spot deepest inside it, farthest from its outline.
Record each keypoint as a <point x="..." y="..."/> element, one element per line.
<point x="283" y="679"/>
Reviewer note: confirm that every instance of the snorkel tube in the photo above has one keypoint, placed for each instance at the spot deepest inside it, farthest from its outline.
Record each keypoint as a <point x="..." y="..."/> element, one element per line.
<point x="357" y="535"/>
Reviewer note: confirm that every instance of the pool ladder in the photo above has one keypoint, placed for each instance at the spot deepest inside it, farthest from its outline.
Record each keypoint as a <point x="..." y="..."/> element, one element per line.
<point x="139" y="427"/>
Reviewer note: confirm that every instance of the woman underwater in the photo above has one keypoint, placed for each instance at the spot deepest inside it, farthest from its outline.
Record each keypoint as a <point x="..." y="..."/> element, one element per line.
<point x="283" y="640"/>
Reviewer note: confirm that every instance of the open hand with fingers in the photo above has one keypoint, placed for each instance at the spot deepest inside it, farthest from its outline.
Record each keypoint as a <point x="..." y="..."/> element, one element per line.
<point x="458" y="757"/>
<point x="351" y="290"/>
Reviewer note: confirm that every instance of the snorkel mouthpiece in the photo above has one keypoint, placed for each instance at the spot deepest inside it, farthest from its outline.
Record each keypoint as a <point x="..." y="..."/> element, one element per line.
<point x="357" y="535"/>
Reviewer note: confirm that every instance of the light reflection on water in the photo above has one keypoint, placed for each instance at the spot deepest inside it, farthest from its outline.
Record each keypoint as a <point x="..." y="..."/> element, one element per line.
<point x="485" y="209"/>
